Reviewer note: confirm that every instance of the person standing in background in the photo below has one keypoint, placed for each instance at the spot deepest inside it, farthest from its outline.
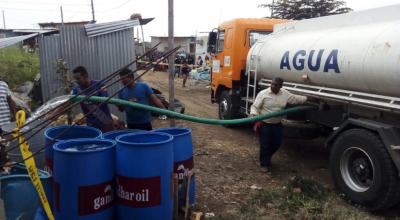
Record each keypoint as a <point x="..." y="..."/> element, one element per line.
<point x="208" y="62"/>
<point x="137" y="92"/>
<point x="7" y="115"/>
<point x="185" y="73"/>
<point x="100" y="116"/>
<point x="199" y="62"/>
<point x="178" y="62"/>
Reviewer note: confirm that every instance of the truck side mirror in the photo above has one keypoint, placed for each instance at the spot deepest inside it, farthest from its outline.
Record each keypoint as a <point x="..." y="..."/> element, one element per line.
<point x="212" y="42"/>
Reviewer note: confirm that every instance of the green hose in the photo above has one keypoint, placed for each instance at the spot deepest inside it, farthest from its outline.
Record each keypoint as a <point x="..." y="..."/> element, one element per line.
<point x="197" y="119"/>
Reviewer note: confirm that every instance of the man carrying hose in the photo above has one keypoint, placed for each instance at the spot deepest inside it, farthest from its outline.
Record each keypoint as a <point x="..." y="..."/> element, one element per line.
<point x="137" y="92"/>
<point x="100" y="117"/>
<point x="270" y="130"/>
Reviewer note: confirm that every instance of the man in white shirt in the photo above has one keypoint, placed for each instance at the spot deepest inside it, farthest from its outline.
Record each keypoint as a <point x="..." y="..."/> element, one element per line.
<point x="7" y="105"/>
<point x="271" y="100"/>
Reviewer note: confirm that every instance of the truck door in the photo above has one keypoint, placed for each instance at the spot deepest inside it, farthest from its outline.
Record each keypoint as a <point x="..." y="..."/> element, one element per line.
<point x="222" y="60"/>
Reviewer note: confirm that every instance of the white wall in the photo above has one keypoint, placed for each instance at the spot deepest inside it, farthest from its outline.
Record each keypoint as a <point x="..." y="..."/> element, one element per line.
<point x="184" y="42"/>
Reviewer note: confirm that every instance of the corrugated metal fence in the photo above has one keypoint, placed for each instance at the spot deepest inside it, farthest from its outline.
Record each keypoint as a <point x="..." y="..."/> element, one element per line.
<point x="101" y="55"/>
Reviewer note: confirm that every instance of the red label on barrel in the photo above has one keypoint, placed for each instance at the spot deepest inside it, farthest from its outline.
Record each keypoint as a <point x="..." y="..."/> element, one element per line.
<point x="95" y="198"/>
<point x="139" y="192"/>
<point x="48" y="165"/>
<point x="182" y="168"/>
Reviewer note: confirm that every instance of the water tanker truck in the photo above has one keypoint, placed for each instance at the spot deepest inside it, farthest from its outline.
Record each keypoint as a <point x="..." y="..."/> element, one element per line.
<point x="351" y="63"/>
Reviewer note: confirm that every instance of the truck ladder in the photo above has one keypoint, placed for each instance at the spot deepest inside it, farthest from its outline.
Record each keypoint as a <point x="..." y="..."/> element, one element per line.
<point x="386" y="103"/>
<point x="251" y="83"/>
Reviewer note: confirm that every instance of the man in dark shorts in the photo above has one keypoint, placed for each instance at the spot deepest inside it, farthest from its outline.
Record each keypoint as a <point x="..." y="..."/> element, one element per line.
<point x="185" y="72"/>
<point x="100" y="117"/>
<point x="137" y="92"/>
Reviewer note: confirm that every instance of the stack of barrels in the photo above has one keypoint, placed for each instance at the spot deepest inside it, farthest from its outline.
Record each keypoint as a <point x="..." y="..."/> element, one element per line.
<point x="127" y="174"/>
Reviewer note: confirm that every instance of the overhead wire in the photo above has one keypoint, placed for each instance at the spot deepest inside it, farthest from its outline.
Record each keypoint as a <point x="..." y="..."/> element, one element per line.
<point x="114" y="8"/>
<point x="42" y="2"/>
<point x="67" y="108"/>
<point x="151" y="65"/>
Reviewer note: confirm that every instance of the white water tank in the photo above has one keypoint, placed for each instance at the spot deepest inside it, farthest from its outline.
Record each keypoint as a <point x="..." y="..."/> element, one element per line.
<point x="359" y="51"/>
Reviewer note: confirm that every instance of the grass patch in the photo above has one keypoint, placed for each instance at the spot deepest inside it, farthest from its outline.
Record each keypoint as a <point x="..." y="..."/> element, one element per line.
<point x="299" y="198"/>
<point x="17" y="66"/>
<point x="303" y="194"/>
<point x="262" y="199"/>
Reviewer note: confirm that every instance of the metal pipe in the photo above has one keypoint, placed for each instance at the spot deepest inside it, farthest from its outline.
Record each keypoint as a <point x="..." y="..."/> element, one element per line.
<point x="82" y="92"/>
<point x="101" y="104"/>
<point x="49" y="120"/>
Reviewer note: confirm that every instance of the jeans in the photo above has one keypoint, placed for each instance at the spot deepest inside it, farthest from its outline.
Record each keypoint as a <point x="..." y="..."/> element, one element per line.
<point x="270" y="141"/>
<point x="145" y="127"/>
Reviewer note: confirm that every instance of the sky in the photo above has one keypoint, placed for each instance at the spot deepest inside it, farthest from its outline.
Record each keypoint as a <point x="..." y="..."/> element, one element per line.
<point x="192" y="17"/>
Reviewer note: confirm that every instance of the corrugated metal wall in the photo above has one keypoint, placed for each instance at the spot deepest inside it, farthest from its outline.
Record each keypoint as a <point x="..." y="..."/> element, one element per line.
<point x="100" y="55"/>
<point x="49" y="54"/>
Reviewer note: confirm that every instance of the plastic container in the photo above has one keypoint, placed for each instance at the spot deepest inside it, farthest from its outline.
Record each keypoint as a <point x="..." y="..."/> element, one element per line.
<point x="84" y="171"/>
<point x="20" y="197"/>
<point x="112" y="135"/>
<point x="144" y="176"/>
<point x="35" y="143"/>
<point x="183" y="159"/>
<point x="51" y="137"/>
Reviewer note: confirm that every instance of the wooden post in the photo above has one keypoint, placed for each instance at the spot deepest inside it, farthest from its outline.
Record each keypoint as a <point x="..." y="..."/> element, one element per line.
<point x="188" y="180"/>
<point x="143" y="44"/>
<point x="272" y="9"/>
<point x="171" y="58"/>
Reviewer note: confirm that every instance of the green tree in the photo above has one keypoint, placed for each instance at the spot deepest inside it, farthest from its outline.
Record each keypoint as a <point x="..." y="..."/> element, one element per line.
<point x="18" y="66"/>
<point x="304" y="9"/>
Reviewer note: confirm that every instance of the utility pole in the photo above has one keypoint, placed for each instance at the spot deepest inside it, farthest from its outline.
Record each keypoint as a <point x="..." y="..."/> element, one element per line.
<point x="143" y="44"/>
<point x="272" y="8"/>
<point x="62" y="16"/>
<point x="4" y="21"/>
<point x="93" y="19"/>
<point x="171" y="67"/>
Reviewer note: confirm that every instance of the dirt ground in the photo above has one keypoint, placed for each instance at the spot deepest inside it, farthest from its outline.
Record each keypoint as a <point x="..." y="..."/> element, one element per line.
<point x="229" y="182"/>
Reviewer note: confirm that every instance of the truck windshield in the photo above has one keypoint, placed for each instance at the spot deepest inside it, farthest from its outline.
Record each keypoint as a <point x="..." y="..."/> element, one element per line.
<point x="221" y="40"/>
<point x="257" y="35"/>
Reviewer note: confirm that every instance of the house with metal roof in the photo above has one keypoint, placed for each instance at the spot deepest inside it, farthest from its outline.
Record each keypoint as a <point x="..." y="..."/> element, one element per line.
<point x="101" y="48"/>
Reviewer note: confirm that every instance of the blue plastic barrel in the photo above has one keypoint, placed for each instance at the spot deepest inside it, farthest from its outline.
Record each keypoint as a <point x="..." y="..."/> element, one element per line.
<point x="112" y="135"/>
<point x="20" y="197"/>
<point x="84" y="171"/>
<point x="52" y="136"/>
<point x="144" y="176"/>
<point x="183" y="159"/>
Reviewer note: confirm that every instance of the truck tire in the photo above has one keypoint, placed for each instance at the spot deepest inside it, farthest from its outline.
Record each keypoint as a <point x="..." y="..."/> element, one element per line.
<point x="300" y="129"/>
<point x="225" y="106"/>
<point x="363" y="171"/>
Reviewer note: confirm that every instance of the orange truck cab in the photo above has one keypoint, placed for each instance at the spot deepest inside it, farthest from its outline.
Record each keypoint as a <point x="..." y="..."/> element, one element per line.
<point x="228" y="46"/>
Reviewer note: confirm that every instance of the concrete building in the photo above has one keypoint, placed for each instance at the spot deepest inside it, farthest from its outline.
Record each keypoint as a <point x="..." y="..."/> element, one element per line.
<point x="201" y="46"/>
<point x="187" y="43"/>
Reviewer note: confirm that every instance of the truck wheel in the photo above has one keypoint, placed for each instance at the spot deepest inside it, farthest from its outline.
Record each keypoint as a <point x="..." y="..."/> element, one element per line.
<point x="225" y="106"/>
<point x="362" y="169"/>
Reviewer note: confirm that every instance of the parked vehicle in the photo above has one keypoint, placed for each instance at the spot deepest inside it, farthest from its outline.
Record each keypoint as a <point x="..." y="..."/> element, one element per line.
<point x="351" y="62"/>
